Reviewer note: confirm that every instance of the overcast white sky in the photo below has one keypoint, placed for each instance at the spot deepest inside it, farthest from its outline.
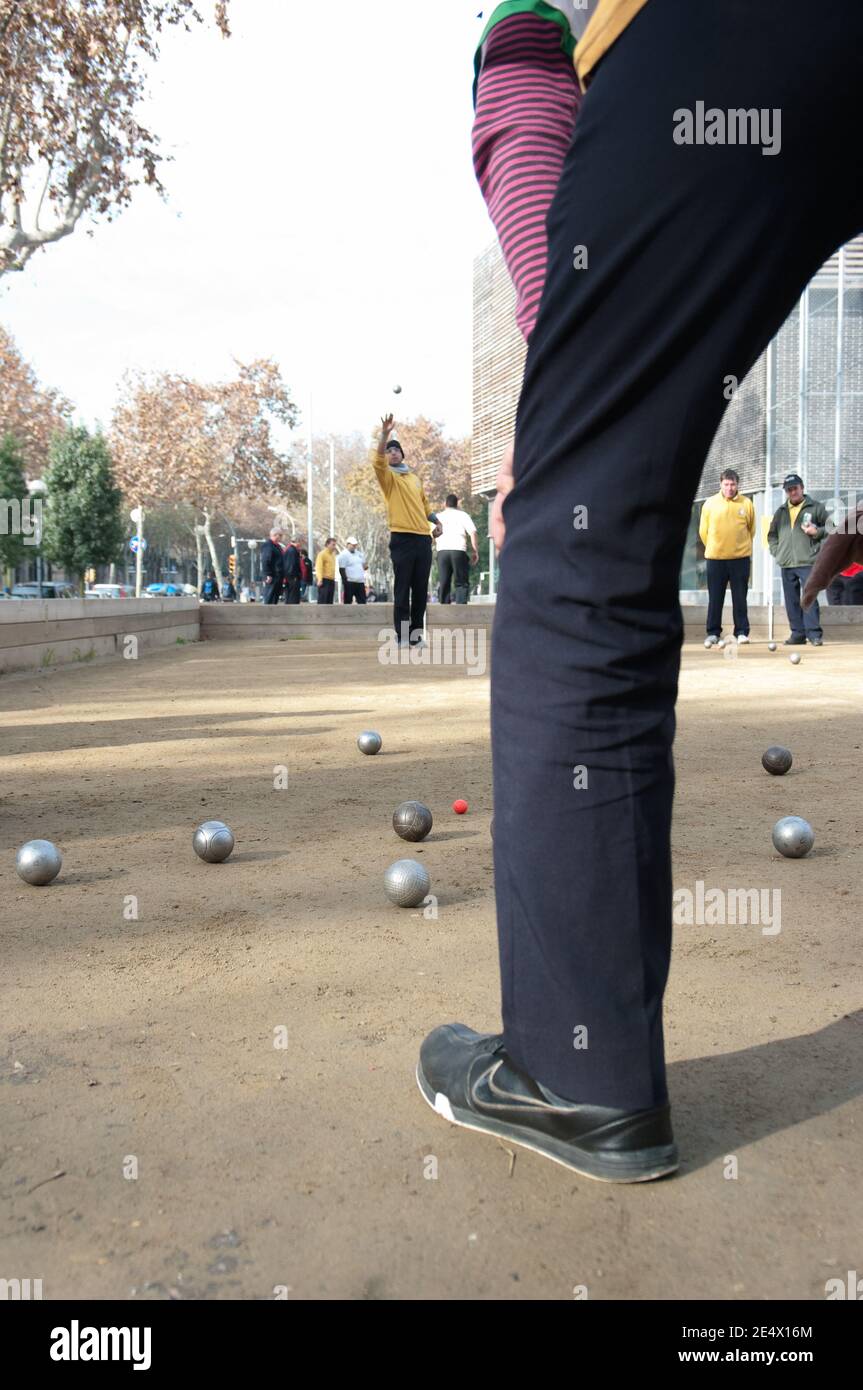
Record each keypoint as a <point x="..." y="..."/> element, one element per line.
<point x="322" y="210"/>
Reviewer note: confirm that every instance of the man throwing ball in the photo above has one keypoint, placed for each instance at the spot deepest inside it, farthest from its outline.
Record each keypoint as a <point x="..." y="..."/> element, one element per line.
<point x="409" y="518"/>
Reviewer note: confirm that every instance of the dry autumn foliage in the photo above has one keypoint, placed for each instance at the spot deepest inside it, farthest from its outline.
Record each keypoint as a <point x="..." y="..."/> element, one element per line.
<point x="30" y="412"/>
<point x="442" y="464"/>
<point x="207" y="444"/>
<point x="72" y="76"/>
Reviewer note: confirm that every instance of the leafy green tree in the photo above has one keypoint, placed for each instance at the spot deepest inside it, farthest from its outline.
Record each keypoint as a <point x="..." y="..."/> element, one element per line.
<point x="14" y="500"/>
<point x="83" y="516"/>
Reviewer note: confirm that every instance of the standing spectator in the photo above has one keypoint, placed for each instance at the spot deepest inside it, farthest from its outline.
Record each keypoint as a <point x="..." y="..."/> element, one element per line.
<point x="352" y="568"/>
<point x="796" y="532"/>
<point x="726" y="529"/>
<point x="307" y="574"/>
<point x="847" y="587"/>
<point x="272" y="567"/>
<point x="291" y="571"/>
<point x="209" y="588"/>
<point x="411" y="535"/>
<point x="229" y="592"/>
<point x="453" y="564"/>
<point x="325" y="571"/>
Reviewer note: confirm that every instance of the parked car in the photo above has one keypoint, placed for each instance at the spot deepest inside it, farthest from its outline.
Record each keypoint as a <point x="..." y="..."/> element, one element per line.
<point x="107" y="591"/>
<point x="163" y="591"/>
<point x="51" y="588"/>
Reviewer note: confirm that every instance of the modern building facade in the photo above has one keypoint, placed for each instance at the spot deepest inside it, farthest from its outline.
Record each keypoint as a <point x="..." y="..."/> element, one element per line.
<point x="800" y="408"/>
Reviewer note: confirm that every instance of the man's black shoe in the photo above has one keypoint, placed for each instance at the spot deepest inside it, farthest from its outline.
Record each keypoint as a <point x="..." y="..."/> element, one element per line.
<point x="816" y="641"/>
<point x="794" y="642"/>
<point x="468" y="1078"/>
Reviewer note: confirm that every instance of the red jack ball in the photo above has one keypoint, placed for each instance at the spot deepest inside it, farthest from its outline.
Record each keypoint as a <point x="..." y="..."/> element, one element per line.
<point x="459" y="807"/>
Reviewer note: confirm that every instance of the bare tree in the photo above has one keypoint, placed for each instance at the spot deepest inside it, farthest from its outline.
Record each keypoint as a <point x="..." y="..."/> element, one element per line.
<point x="72" y="76"/>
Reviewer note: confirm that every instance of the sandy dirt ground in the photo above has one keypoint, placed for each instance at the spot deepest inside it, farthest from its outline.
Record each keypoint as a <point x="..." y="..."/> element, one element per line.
<point x="148" y="1044"/>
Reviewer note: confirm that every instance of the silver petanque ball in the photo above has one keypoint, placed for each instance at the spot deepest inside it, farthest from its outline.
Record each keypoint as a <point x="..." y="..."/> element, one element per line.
<point x="794" y="658"/>
<point x="369" y="742"/>
<point x="793" y="836"/>
<point x="213" y="841"/>
<point x="38" y="862"/>
<point x="407" y="883"/>
<point x="412" y="820"/>
<point x="771" y="646"/>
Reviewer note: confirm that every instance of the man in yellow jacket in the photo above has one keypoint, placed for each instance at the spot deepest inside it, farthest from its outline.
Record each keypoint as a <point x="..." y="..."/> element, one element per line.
<point x="726" y="529"/>
<point x="412" y="525"/>
<point x="325" y="571"/>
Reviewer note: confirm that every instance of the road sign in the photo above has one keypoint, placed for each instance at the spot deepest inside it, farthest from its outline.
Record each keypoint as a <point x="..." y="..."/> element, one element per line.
<point x="137" y="543"/>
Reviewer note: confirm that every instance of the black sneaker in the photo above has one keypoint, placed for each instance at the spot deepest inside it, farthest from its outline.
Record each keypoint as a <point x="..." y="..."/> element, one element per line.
<point x="816" y="641"/>
<point x="468" y="1078"/>
<point x="794" y="642"/>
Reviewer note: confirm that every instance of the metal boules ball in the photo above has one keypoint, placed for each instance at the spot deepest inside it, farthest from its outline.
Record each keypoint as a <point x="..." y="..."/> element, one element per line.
<point x="407" y="883"/>
<point x="793" y="836"/>
<point x="776" y="760"/>
<point x="369" y="742"/>
<point x="38" y="862"/>
<point x="795" y="658"/>
<point x="771" y="646"/>
<point x="412" y="820"/>
<point x="213" y="841"/>
<point x="397" y="390"/>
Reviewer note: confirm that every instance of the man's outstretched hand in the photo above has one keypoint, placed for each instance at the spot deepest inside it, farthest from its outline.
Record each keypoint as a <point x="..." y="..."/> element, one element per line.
<point x="840" y="550"/>
<point x="504" y="484"/>
<point x="387" y="423"/>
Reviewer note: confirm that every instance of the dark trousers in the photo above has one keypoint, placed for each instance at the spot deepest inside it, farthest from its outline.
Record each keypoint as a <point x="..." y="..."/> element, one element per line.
<point x="411" y="555"/>
<point x="721" y="573"/>
<point x="697" y="255"/>
<point x="292" y="591"/>
<point x="326" y="591"/>
<point x="453" y="569"/>
<point x="802" y="624"/>
<point x="845" y="591"/>
<point x="353" y="589"/>
<point x="272" y="591"/>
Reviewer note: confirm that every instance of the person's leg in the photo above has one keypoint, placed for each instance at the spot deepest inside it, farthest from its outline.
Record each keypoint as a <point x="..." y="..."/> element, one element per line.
<point x="360" y="590"/>
<point x="811" y="616"/>
<point x="837" y="591"/>
<point x="462" y="576"/>
<point x="272" y="591"/>
<point x="853" y="589"/>
<point x="292" y="591"/>
<point x="445" y="570"/>
<point x="402" y="570"/>
<point x="791" y="594"/>
<point x="738" y="574"/>
<point x="697" y="254"/>
<point x="422" y="552"/>
<point x="716" y="583"/>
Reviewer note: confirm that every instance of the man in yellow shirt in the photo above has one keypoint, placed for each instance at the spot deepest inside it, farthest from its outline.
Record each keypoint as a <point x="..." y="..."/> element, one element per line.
<point x="325" y="571"/>
<point x="726" y="529"/>
<point x="409" y="518"/>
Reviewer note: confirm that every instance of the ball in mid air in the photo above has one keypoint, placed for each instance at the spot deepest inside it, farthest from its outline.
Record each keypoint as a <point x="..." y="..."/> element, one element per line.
<point x="397" y="390"/>
<point x="776" y="760"/>
<point x="793" y="836"/>
<point x="369" y="742"/>
<point x="412" y="820"/>
<point x="407" y="883"/>
<point x="213" y="841"/>
<point x="38" y="862"/>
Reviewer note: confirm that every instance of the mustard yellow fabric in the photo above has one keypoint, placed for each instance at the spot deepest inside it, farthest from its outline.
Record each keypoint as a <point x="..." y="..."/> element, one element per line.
<point x="407" y="506"/>
<point x="607" y="23"/>
<point x="325" y="565"/>
<point x="726" y="527"/>
<point x="794" y="512"/>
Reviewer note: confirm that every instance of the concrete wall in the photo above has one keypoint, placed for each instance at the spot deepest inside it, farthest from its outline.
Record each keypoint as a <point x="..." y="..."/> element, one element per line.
<point x="308" y="621"/>
<point x="40" y="633"/>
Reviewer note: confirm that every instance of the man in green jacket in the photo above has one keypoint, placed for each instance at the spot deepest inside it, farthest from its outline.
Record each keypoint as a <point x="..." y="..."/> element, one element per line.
<point x="796" y="532"/>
